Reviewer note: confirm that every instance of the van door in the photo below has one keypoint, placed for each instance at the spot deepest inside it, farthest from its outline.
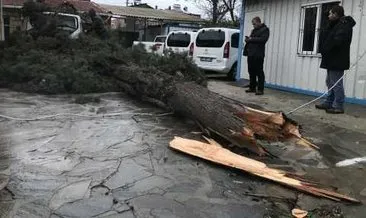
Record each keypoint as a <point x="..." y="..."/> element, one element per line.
<point x="159" y="45"/>
<point x="178" y="42"/>
<point x="210" y="47"/>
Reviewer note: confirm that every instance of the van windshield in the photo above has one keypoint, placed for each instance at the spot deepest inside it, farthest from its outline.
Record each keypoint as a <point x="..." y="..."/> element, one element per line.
<point x="66" y="21"/>
<point x="160" y="39"/>
<point x="211" y="38"/>
<point x="179" y="40"/>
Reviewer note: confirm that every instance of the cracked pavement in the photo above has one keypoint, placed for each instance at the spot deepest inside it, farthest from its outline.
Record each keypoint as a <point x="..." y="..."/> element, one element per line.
<point x="121" y="166"/>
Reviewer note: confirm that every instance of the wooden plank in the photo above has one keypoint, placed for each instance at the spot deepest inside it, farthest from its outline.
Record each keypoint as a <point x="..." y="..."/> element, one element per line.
<point x="213" y="152"/>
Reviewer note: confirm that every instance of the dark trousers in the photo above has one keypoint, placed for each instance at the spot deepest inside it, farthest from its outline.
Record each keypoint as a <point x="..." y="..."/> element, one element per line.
<point x="335" y="96"/>
<point x="255" y="68"/>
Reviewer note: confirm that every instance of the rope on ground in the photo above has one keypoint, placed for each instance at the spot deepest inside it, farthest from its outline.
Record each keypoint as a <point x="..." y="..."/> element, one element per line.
<point x="331" y="88"/>
<point x="80" y="115"/>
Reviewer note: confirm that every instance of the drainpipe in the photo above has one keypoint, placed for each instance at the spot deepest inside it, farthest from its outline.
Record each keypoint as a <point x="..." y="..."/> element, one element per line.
<point x="145" y="30"/>
<point x="2" y="29"/>
<point x="161" y="27"/>
<point x="241" y="39"/>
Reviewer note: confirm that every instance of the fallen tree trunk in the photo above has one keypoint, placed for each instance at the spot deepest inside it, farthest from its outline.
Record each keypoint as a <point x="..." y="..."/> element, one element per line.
<point x="174" y="82"/>
<point x="212" y="151"/>
<point x="238" y="124"/>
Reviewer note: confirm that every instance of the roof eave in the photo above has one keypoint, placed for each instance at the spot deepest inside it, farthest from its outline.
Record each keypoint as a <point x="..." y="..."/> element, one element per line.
<point x="155" y="18"/>
<point x="13" y="6"/>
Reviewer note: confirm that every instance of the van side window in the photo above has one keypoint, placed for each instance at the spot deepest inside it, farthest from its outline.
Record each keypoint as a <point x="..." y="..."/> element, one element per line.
<point x="235" y="40"/>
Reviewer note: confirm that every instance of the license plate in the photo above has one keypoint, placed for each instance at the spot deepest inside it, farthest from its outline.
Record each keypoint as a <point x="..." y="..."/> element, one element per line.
<point x="206" y="59"/>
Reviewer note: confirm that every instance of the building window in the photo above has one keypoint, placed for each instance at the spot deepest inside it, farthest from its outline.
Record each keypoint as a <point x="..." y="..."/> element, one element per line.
<point x="6" y="27"/>
<point x="314" y="19"/>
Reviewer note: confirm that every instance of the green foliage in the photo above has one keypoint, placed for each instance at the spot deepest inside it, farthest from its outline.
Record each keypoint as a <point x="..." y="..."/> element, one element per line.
<point x="60" y="65"/>
<point x="31" y="7"/>
<point x="223" y="23"/>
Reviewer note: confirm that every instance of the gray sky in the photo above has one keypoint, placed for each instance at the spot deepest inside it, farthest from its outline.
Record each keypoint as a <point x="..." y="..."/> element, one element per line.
<point x="162" y="4"/>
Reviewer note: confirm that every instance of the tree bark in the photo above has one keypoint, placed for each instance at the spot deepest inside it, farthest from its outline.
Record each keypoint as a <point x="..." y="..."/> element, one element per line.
<point x="230" y="5"/>
<point x="232" y="15"/>
<point x="215" y="15"/>
<point x="231" y="120"/>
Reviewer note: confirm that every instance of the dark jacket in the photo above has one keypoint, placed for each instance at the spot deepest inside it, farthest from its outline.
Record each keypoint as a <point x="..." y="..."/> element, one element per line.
<point x="256" y="45"/>
<point x="335" y="44"/>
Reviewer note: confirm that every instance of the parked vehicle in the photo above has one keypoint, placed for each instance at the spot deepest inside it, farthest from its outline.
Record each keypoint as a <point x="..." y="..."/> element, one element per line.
<point x="69" y="23"/>
<point x="157" y="46"/>
<point x="216" y="50"/>
<point x="180" y="42"/>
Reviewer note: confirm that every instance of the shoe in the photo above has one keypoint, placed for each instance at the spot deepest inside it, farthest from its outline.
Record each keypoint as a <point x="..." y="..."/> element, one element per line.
<point x="250" y="91"/>
<point x="246" y="86"/>
<point x="259" y="93"/>
<point x="322" y="106"/>
<point x="335" y="111"/>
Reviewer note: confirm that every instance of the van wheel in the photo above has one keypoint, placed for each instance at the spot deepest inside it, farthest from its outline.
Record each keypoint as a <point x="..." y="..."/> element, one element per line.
<point x="232" y="74"/>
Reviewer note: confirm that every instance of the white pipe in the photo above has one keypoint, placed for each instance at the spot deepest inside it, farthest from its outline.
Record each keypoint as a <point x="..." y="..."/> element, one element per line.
<point x="241" y="39"/>
<point x="2" y="29"/>
<point x="350" y="162"/>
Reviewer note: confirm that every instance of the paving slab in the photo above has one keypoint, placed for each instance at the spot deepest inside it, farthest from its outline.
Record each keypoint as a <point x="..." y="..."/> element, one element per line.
<point x="121" y="166"/>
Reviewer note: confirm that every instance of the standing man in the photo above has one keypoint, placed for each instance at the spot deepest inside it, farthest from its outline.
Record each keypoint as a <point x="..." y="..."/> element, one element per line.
<point x="335" y="50"/>
<point x="255" y="49"/>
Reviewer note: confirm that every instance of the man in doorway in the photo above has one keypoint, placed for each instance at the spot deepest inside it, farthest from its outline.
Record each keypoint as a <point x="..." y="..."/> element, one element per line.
<point x="335" y="50"/>
<point x="255" y="50"/>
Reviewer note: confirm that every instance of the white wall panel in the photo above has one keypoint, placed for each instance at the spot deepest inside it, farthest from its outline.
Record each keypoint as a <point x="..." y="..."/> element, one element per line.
<point x="284" y="67"/>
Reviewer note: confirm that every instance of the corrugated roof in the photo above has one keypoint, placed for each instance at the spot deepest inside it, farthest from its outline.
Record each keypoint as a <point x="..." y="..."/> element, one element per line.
<point x="13" y="2"/>
<point x="80" y="5"/>
<point x="150" y="13"/>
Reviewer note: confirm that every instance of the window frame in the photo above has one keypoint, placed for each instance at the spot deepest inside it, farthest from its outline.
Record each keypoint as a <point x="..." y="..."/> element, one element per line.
<point x="318" y="6"/>
<point x="6" y="26"/>
<point x="302" y="30"/>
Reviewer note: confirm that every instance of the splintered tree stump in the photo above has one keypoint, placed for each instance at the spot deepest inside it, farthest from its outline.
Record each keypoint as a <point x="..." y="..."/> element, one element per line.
<point x="238" y="124"/>
<point x="214" y="113"/>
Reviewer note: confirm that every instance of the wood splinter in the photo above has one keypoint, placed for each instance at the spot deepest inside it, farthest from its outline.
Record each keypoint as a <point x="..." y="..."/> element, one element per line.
<point x="214" y="152"/>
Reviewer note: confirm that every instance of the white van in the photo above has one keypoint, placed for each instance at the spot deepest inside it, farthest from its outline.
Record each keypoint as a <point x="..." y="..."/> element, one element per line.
<point x="180" y="41"/>
<point x="216" y="50"/>
<point x="68" y="23"/>
<point x="156" y="47"/>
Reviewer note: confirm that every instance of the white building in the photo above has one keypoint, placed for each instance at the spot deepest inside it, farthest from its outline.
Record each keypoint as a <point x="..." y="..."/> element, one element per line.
<point x="292" y="59"/>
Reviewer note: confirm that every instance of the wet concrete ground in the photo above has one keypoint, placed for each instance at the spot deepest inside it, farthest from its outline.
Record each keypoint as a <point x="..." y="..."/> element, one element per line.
<point x="121" y="166"/>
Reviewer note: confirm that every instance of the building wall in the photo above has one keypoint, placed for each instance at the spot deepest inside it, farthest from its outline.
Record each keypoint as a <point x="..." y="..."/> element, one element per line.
<point x="182" y="27"/>
<point x="285" y="67"/>
<point x="13" y="20"/>
<point x="119" y="23"/>
<point x="1" y="29"/>
<point x="152" y="32"/>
